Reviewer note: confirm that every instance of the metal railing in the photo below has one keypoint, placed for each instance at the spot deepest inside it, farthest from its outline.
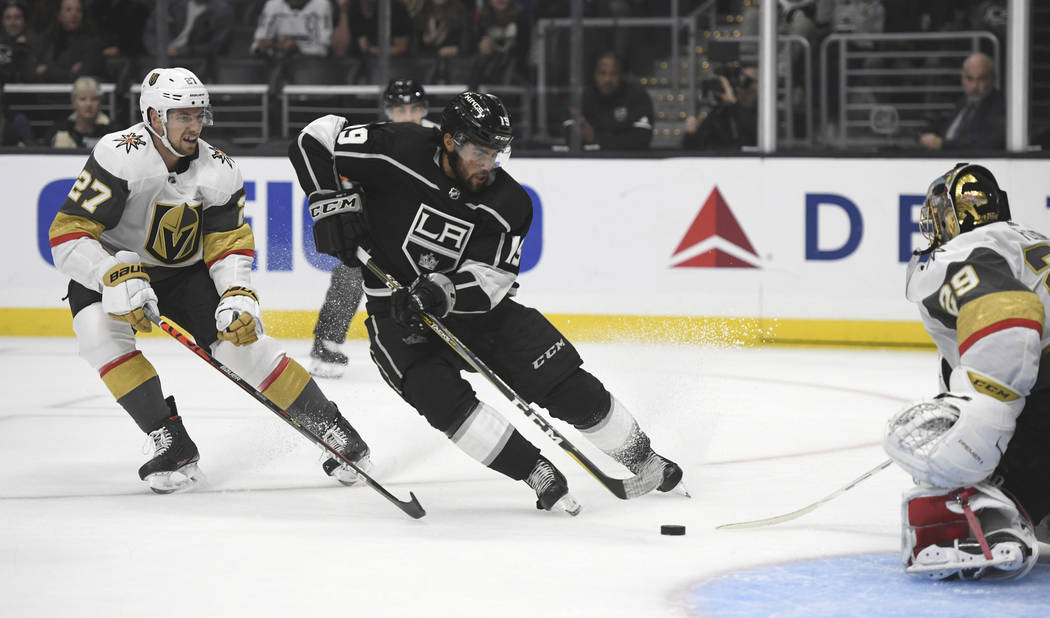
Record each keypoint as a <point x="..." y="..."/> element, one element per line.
<point x="544" y="26"/>
<point x="886" y="91"/>
<point x="241" y="107"/>
<point x="302" y="103"/>
<point x="786" y="85"/>
<point x="43" y="104"/>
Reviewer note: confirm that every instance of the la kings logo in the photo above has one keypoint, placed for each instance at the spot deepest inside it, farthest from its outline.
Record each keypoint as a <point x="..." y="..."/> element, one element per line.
<point x="436" y="241"/>
<point x="175" y="232"/>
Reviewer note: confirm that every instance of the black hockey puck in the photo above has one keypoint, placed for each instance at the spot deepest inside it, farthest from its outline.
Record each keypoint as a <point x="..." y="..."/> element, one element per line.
<point x="672" y="530"/>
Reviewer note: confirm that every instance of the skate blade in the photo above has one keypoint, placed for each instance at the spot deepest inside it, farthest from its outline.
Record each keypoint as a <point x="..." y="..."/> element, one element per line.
<point x="681" y="490"/>
<point x="347" y="475"/>
<point x="569" y="504"/>
<point x="321" y="369"/>
<point x="185" y="478"/>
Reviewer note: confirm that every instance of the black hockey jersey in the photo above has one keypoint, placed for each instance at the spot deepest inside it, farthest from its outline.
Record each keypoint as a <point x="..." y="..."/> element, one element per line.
<point x="420" y="219"/>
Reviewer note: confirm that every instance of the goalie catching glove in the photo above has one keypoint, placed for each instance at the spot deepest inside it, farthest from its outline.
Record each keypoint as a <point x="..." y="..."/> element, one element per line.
<point x="237" y="317"/>
<point x="953" y="440"/>
<point x="126" y="291"/>
<point x="339" y="222"/>
<point x="434" y="293"/>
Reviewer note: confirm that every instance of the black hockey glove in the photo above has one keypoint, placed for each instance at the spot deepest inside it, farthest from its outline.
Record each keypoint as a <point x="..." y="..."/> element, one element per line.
<point x="339" y="223"/>
<point x="433" y="293"/>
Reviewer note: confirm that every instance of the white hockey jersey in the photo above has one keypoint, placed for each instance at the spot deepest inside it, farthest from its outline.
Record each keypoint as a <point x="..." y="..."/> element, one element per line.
<point x="126" y="199"/>
<point x="984" y="297"/>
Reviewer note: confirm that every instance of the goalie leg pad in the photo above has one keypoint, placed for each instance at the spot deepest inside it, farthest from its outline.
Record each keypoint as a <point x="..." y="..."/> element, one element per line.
<point x="970" y="533"/>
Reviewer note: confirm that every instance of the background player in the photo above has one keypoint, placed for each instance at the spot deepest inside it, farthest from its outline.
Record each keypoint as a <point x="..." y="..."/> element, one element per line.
<point x="979" y="449"/>
<point x="444" y="216"/>
<point x="156" y="221"/>
<point x="404" y="100"/>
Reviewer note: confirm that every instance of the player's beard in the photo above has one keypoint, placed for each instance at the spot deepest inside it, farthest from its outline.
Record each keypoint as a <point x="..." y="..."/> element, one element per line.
<point x="459" y="169"/>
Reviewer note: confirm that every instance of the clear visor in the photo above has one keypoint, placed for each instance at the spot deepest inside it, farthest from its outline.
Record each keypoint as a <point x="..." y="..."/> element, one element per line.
<point x="186" y="117"/>
<point x="483" y="156"/>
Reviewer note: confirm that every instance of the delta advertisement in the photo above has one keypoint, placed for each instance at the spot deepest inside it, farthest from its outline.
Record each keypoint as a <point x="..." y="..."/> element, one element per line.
<point x="789" y="249"/>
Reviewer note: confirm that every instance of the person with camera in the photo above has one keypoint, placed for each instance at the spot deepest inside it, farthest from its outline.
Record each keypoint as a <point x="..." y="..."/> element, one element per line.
<point x="732" y="120"/>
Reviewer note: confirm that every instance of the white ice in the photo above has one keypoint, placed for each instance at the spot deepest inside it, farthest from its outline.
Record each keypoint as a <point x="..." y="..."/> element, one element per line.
<point x="759" y="432"/>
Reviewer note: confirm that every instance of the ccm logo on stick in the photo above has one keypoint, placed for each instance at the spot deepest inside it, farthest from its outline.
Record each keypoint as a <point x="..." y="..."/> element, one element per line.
<point x="551" y="351"/>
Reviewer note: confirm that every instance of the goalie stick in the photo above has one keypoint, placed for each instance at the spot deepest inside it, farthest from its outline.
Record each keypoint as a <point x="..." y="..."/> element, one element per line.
<point x="411" y="507"/>
<point x="625" y="489"/>
<point x="779" y="519"/>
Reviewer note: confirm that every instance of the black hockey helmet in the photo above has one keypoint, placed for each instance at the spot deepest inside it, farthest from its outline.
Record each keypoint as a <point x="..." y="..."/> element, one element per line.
<point x="478" y="118"/>
<point x="403" y="92"/>
<point x="964" y="198"/>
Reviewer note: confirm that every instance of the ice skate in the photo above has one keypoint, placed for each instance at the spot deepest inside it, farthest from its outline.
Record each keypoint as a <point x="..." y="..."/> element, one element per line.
<point x="174" y="464"/>
<point x="658" y="464"/>
<point x="326" y="360"/>
<point x="345" y="439"/>
<point x="552" y="490"/>
<point x="964" y="559"/>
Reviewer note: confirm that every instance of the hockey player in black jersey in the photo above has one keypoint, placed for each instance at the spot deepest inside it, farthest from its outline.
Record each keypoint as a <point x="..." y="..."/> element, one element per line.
<point x="443" y="216"/>
<point x="155" y="222"/>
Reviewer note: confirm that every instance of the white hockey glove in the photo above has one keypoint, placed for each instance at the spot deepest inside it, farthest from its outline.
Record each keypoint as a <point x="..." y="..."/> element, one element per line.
<point x="126" y="291"/>
<point x="952" y="440"/>
<point x="237" y="317"/>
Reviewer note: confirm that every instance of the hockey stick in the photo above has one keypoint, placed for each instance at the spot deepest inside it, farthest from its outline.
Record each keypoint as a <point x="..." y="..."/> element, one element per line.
<point x="779" y="519"/>
<point x="625" y="489"/>
<point x="412" y="507"/>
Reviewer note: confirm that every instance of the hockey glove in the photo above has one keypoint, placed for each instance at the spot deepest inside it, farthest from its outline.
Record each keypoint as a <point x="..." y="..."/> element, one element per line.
<point x="237" y="317"/>
<point x="339" y="222"/>
<point x="126" y="291"/>
<point x="433" y="293"/>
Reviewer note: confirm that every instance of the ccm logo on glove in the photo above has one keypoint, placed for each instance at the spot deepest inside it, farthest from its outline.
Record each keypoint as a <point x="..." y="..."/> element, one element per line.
<point x="336" y="205"/>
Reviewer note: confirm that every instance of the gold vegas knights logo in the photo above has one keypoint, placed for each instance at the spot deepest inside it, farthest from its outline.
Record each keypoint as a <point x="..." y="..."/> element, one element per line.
<point x="175" y="232"/>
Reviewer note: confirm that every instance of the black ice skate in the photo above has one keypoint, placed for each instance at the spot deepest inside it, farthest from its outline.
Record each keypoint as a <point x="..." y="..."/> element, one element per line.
<point x="345" y="439"/>
<point x="645" y="462"/>
<point x="326" y="361"/>
<point x="551" y="488"/>
<point x="174" y="463"/>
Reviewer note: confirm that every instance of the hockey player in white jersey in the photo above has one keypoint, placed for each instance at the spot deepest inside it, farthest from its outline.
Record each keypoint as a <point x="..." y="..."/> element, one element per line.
<point x="979" y="450"/>
<point x="155" y="221"/>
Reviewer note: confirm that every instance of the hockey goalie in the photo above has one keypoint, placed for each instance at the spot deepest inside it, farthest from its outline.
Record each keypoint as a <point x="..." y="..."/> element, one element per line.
<point x="980" y="450"/>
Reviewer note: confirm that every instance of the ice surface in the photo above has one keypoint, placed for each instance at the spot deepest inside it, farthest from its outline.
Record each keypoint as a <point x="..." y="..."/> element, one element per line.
<point x="759" y="432"/>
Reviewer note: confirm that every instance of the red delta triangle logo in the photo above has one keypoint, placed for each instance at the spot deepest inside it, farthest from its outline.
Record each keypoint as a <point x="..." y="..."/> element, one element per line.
<point x="715" y="239"/>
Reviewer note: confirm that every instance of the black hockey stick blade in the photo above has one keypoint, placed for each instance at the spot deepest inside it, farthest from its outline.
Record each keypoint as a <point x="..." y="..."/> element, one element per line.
<point x="412" y="508"/>
<point x="642" y="483"/>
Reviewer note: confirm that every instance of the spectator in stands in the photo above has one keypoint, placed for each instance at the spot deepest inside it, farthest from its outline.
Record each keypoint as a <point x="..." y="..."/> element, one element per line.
<point x="442" y="28"/>
<point x="87" y="123"/>
<point x="290" y="27"/>
<point x="71" y="48"/>
<point x="15" y="129"/>
<point x="17" y="45"/>
<point x="617" y="115"/>
<point x="732" y="122"/>
<point x="503" y="37"/>
<point x="979" y="120"/>
<point x="115" y="19"/>
<point x="196" y="29"/>
<point x="358" y="34"/>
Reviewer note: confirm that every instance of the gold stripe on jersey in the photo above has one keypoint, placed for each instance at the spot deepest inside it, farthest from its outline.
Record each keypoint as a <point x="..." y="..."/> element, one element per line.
<point x="991" y="388"/>
<point x="289" y="381"/>
<point x="989" y="309"/>
<point x="127" y="373"/>
<point x="66" y="227"/>
<point x="219" y="244"/>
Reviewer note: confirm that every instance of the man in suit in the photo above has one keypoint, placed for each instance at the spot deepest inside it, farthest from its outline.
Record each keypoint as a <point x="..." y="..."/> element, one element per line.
<point x="979" y="120"/>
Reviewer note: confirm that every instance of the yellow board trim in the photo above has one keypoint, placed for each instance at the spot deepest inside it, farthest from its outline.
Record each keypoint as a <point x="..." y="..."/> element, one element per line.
<point x="18" y="322"/>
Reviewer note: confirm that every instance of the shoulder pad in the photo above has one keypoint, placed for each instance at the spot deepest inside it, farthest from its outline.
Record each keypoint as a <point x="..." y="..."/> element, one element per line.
<point x="123" y="152"/>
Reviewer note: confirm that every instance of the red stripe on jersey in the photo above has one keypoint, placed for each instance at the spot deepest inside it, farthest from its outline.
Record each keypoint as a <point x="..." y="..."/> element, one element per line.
<point x="117" y="361"/>
<point x="58" y="240"/>
<point x="998" y="326"/>
<point x="274" y="374"/>
<point x="247" y="252"/>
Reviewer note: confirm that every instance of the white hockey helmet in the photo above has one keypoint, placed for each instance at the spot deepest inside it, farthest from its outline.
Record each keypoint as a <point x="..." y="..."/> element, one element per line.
<point x="172" y="88"/>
